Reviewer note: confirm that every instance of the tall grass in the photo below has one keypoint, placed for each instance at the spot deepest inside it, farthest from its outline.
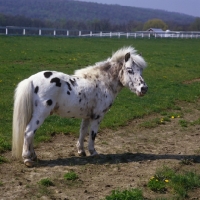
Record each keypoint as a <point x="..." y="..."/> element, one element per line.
<point x="170" y="63"/>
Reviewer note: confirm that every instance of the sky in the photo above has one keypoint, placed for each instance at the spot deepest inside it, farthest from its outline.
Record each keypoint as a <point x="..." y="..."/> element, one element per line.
<point x="190" y="7"/>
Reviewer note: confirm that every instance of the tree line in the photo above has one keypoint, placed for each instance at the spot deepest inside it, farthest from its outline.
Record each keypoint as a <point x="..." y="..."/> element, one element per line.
<point x="80" y="11"/>
<point x="98" y="24"/>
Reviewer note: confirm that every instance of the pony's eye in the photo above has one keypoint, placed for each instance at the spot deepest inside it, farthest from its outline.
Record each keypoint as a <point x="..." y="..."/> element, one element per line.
<point x="130" y="71"/>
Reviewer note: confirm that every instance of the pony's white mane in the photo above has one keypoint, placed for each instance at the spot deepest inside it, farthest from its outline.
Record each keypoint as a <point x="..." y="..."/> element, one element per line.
<point x="117" y="57"/>
<point x="120" y="54"/>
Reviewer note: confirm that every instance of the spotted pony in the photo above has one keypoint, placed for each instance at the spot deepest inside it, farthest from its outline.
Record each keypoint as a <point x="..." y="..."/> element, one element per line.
<point x="88" y="94"/>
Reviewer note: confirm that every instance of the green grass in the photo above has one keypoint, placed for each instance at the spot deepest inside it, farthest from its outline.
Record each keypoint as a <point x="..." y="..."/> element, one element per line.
<point x="170" y="63"/>
<point x="196" y="122"/>
<point x="183" y="123"/>
<point x="167" y="179"/>
<point x="70" y="176"/>
<point x="165" y="117"/>
<point x="3" y="160"/>
<point x="46" y="182"/>
<point x="130" y="194"/>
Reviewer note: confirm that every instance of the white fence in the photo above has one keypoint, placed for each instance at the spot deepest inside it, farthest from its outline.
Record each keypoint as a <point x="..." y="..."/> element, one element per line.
<point x="13" y="30"/>
<point x="144" y="34"/>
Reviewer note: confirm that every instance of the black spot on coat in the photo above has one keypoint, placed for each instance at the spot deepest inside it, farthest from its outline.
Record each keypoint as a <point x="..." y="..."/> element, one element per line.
<point x="57" y="81"/>
<point x="73" y="81"/>
<point x="93" y="135"/>
<point x="97" y="117"/>
<point x="68" y="92"/>
<point x="36" y="90"/>
<point x="69" y="86"/>
<point x="49" y="102"/>
<point x="47" y="74"/>
<point x="37" y="122"/>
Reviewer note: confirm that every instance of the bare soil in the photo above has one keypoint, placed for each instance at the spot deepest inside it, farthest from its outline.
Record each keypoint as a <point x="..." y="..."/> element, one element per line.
<point x="129" y="157"/>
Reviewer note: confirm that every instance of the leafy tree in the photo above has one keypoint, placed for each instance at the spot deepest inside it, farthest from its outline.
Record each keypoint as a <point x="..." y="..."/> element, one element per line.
<point x="2" y="20"/>
<point x="195" y="26"/>
<point x="155" y="23"/>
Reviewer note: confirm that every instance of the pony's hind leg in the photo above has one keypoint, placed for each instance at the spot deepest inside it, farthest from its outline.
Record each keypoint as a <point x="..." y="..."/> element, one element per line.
<point x="83" y="131"/>
<point x="28" y="152"/>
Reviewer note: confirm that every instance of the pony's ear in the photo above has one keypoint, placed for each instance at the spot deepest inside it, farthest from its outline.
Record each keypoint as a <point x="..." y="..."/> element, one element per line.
<point x="127" y="56"/>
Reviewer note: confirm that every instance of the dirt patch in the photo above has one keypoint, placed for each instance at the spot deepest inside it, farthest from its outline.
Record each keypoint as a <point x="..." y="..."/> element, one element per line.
<point x="129" y="157"/>
<point x="192" y="81"/>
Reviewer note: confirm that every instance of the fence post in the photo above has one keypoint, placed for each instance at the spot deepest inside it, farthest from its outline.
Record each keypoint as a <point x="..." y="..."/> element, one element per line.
<point x="110" y="34"/>
<point x="100" y="34"/>
<point x="67" y="33"/>
<point x="90" y="33"/>
<point x="6" y="31"/>
<point x="24" y="31"/>
<point x="40" y="32"/>
<point x="149" y="35"/>
<point x="54" y="32"/>
<point x="127" y="35"/>
<point x="79" y="34"/>
<point x="118" y="35"/>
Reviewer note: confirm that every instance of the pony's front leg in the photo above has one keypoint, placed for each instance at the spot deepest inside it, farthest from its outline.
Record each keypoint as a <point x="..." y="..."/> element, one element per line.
<point x="83" y="131"/>
<point x="92" y="136"/>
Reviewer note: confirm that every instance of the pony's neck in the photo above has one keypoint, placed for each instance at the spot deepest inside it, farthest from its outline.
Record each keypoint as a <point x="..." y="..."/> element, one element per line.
<point x="106" y="72"/>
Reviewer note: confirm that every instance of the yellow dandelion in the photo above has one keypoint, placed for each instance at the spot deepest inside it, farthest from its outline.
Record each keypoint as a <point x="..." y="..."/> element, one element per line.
<point x="166" y="181"/>
<point x="172" y="117"/>
<point x="178" y="116"/>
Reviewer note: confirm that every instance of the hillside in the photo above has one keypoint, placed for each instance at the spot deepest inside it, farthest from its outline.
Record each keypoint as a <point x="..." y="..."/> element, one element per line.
<point x="84" y="11"/>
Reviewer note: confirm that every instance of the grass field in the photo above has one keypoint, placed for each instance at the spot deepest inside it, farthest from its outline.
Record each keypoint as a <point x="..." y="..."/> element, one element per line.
<point x="171" y="62"/>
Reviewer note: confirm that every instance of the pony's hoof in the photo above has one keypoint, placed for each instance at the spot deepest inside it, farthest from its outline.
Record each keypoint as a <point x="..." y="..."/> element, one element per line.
<point x="82" y="154"/>
<point x="29" y="163"/>
<point x="93" y="153"/>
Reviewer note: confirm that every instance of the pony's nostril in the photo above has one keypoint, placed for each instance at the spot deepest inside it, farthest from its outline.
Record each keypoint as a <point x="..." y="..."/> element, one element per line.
<point x="144" y="89"/>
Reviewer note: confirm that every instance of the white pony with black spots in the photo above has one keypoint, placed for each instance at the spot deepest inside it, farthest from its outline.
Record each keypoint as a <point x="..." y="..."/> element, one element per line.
<point x="88" y="94"/>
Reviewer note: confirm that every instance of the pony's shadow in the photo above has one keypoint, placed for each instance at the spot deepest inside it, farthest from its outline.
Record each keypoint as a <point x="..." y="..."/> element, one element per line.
<point x="115" y="159"/>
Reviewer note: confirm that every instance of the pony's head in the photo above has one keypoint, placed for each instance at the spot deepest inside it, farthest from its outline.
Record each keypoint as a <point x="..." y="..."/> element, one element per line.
<point x="131" y="73"/>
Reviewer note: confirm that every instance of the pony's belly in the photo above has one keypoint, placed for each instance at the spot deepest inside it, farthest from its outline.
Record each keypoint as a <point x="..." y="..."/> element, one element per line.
<point x="73" y="112"/>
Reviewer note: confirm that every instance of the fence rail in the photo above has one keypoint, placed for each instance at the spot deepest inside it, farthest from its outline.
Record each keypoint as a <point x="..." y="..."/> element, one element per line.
<point x="13" y="30"/>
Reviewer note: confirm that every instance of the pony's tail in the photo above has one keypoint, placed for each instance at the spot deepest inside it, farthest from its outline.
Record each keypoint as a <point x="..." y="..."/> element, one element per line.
<point x="22" y="113"/>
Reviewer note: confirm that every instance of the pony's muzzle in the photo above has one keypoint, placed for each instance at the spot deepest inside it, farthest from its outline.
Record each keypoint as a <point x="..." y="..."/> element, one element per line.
<point x="144" y="89"/>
